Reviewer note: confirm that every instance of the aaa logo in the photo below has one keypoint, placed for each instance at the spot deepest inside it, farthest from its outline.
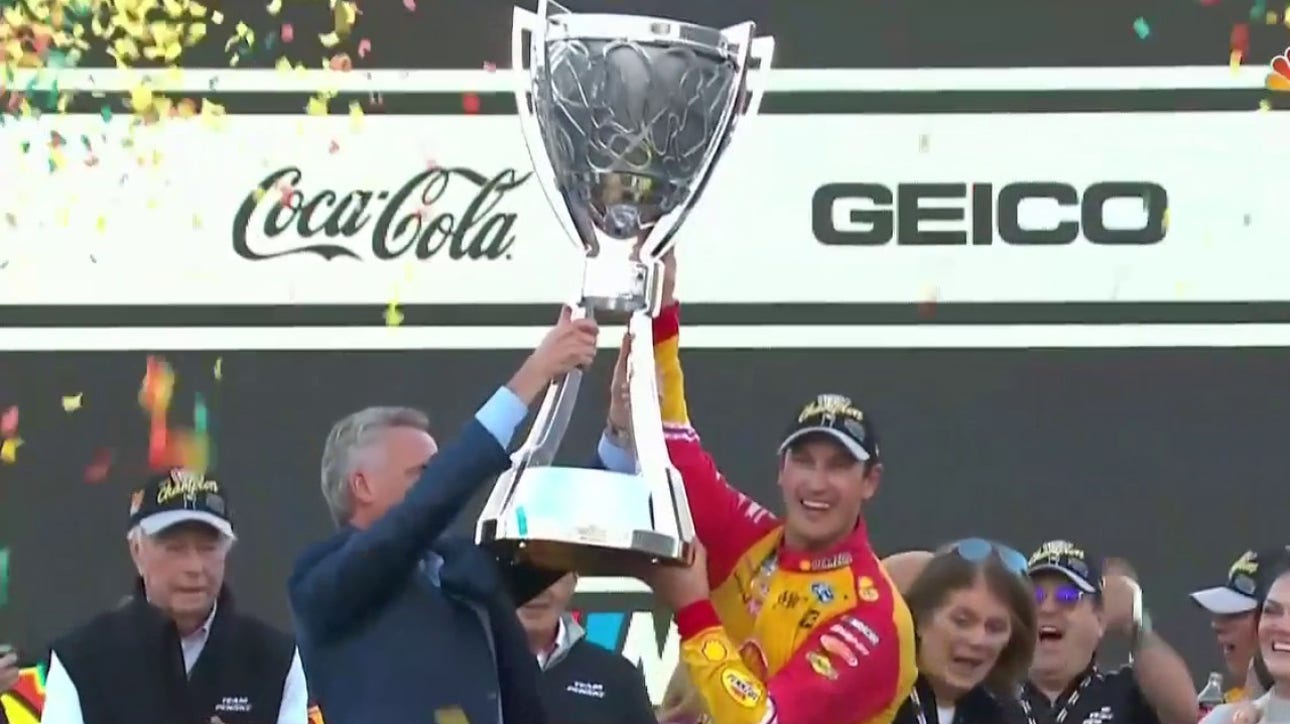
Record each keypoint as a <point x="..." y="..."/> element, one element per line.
<point x="1279" y="78"/>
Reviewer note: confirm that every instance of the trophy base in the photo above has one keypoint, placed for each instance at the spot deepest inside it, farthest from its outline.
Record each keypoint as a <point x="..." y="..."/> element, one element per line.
<point x="595" y="522"/>
<point x="588" y="560"/>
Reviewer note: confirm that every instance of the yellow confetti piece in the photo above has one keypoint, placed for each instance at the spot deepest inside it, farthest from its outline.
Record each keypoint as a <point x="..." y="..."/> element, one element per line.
<point x="1234" y="61"/>
<point x="219" y="368"/>
<point x="393" y="317"/>
<point x="100" y="224"/>
<point x="72" y="403"/>
<point x="9" y="450"/>
<point x="1165" y="220"/>
<point x="317" y="106"/>
<point x="329" y="40"/>
<point x="1265" y="105"/>
<point x="355" y="116"/>
<point x="275" y="7"/>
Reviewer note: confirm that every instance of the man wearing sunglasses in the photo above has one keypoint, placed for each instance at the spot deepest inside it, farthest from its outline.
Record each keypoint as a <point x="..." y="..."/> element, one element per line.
<point x="1077" y="606"/>
<point x="789" y="620"/>
<point x="1233" y="611"/>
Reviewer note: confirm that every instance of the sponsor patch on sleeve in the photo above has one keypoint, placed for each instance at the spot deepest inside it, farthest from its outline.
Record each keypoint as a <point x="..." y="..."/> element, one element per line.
<point x="821" y="665"/>
<point x="742" y="689"/>
<point x="714" y="650"/>
<point x="839" y="648"/>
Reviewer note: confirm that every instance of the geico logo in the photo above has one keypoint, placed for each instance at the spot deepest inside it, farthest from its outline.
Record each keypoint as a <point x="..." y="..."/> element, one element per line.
<point x="1034" y="213"/>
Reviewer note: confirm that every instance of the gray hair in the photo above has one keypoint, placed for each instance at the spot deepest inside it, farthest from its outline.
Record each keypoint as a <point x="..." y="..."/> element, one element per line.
<point x="347" y="440"/>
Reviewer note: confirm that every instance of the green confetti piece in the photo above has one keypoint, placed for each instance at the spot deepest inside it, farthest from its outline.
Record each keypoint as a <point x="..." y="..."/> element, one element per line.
<point x="106" y="112"/>
<point x="1259" y="10"/>
<point x="1141" y="28"/>
<point x="4" y="577"/>
<point x="199" y="415"/>
<point x="25" y="146"/>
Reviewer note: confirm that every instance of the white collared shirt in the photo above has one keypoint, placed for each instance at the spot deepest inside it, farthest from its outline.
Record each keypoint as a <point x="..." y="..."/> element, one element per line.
<point x="544" y="656"/>
<point x="63" y="701"/>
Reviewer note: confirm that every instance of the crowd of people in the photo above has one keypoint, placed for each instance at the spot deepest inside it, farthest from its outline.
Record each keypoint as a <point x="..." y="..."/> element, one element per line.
<point x="793" y="619"/>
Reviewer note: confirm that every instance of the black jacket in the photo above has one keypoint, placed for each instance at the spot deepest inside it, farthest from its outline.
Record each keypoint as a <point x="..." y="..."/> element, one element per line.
<point x="128" y="667"/>
<point x="583" y="683"/>
<point x="978" y="706"/>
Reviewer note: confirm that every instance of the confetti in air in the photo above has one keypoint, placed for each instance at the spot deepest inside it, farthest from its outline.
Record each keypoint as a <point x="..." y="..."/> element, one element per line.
<point x="1142" y="29"/>
<point x="9" y="422"/>
<point x="97" y="470"/>
<point x="9" y="450"/>
<point x="72" y="403"/>
<point x="4" y="576"/>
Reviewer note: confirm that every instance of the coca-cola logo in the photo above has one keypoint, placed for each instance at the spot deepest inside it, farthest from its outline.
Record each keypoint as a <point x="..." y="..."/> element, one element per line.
<point x="411" y="221"/>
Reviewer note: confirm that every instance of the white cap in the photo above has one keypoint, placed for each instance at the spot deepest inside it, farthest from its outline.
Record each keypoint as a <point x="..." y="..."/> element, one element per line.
<point x="1224" y="601"/>
<point x="157" y="522"/>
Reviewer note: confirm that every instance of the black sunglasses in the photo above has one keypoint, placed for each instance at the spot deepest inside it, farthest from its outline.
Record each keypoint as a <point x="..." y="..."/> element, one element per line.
<point x="976" y="550"/>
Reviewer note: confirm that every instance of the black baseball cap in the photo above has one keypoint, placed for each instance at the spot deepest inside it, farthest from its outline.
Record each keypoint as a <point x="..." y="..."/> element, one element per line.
<point x="180" y="496"/>
<point x="1247" y="582"/>
<point x="1069" y="560"/>
<point x="836" y="417"/>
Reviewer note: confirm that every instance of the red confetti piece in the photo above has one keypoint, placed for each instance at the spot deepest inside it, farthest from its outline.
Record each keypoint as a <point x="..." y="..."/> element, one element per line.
<point x="341" y="63"/>
<point x="411" y="5"/>
<point x="285" y="192"/>
<point x="470" y="103"/>
<point x="1241" y="39"/>
<point x="364" y="47"/>
<point x="288" y="33"/>
<point x="97" y="471"/>
<point x="158" y="444"/>
<point x="9" y="422"/>
<point x="333" y="147"/>
<point x="490" y="67"/>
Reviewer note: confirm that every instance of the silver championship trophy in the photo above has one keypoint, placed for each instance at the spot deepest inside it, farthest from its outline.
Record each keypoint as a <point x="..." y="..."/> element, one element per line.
<point x="624" y="117"/>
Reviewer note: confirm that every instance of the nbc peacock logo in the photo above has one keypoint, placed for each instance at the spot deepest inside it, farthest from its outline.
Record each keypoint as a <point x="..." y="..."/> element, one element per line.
<point x="1279" y="76"/>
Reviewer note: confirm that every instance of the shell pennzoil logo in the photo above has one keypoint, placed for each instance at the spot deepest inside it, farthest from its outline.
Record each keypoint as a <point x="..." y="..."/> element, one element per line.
<point x="25" y="701"/>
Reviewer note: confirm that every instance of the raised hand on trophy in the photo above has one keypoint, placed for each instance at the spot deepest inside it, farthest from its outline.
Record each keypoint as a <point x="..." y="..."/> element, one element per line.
<point x="570" y="344"/>
<point x="620" y="398"/>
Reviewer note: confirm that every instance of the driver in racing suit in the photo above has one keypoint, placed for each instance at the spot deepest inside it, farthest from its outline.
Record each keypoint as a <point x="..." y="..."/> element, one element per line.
<point x="795" y="621"/>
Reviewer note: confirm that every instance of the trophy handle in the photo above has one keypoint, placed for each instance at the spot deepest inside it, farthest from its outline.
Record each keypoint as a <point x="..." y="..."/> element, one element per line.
<point x="525" y="79"/>
<point x="552" y="420"/>
<point x="762" y="51"/>
<point x="668" y="502"/>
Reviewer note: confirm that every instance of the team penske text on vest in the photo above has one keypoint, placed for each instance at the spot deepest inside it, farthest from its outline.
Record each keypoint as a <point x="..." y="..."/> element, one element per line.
<point x="413" y="218"/>
<point x="953" y="214"/>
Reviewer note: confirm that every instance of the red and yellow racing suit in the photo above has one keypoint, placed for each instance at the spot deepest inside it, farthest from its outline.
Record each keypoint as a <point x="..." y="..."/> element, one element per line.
<point x="787" y="637"/>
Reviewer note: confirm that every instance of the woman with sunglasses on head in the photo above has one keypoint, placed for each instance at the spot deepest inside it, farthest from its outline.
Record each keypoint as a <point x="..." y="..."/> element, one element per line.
<point x="974" y="616"/>
<point x="1274" y="654"/>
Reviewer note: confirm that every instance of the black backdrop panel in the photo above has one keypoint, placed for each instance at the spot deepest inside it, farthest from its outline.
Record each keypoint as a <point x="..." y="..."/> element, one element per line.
<point x="1160" y="455"/>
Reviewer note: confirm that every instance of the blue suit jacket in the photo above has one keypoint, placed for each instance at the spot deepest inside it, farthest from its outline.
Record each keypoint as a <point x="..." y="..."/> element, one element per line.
<point x="363" y="604"/>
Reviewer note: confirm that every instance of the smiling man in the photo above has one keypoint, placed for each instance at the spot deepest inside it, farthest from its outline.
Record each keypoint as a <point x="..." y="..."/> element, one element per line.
<point x="1079" y="601"/>
<point x="792" y="620"/>
<point x="1233" y="614"/>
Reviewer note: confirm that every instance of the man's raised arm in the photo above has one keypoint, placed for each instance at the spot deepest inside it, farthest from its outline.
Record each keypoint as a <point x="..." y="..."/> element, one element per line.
<point x="337" y="581"/>
<point x="726" y="521"/>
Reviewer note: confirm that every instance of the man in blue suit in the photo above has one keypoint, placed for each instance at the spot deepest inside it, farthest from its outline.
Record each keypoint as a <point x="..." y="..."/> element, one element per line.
<point x="397" y="623"/>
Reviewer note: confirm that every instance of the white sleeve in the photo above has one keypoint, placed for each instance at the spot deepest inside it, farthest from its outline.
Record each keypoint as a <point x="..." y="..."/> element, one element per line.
<point x="295" y="695"/>
<point x="62" y="700"/>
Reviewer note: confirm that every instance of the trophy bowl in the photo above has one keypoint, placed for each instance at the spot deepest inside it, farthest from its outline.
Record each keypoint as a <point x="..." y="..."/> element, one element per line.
<point x="625" y="117"/>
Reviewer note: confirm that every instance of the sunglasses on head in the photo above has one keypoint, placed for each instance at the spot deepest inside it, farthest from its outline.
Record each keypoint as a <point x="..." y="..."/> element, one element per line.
<point x="1066" y="594"/>
<point x="976" y="550"/>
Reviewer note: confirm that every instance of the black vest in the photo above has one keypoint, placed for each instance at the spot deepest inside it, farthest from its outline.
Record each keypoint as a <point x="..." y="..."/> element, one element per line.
<point x="128" y="667"/>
